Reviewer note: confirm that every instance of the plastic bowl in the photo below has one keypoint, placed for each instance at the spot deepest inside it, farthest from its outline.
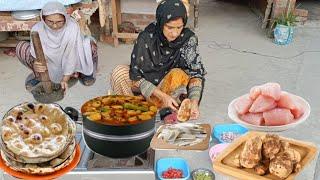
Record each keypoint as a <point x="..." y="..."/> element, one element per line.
<point x="216" y="150"/>
<point x="232" y="113"/>
<point x="177" y="163"/>
<point x="228" y="129"/>
<point x="207" y="172"/>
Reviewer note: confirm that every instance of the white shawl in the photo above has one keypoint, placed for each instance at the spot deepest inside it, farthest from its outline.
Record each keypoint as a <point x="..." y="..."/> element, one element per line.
<point x="66" y="50"/>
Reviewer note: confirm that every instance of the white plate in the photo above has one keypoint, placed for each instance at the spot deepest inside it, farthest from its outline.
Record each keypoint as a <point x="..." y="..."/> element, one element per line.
<point x="232" y="113"/>
<point x="25" y="15"/>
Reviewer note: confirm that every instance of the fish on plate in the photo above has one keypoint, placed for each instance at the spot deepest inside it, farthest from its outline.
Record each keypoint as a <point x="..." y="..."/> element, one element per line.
<point x="182" y="134"/>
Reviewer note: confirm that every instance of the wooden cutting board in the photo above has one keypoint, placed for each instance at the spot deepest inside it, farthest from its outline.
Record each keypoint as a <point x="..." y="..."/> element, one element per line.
<point x="160" y="144"/>
<point x="223" y="163"/>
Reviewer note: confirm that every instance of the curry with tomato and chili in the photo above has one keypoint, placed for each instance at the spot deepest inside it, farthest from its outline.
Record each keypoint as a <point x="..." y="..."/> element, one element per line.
<point x="118" y="110"/>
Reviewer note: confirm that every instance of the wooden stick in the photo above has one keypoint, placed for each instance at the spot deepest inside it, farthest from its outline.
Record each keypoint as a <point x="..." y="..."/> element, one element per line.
<point x="44" y="77"/>
<point x="118" y="6"/>
<point x="114" y="22"/>
<point x="102" y="12"/>
<point x="107" y="29"/>
<point x="267" y="14"/>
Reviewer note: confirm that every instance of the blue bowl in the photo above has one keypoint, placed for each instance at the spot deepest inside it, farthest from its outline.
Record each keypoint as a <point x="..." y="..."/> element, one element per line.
<point x="220" y="129"/>
<point x="177" y="163"/>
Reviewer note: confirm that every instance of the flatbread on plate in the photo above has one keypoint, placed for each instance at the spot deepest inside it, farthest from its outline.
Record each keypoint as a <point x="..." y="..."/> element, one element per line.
<point x="35" y="132"/>
<point x="43" y="168"/>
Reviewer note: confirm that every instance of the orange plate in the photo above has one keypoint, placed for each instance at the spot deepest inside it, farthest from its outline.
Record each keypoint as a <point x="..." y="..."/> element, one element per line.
<point x="54" y="175"/>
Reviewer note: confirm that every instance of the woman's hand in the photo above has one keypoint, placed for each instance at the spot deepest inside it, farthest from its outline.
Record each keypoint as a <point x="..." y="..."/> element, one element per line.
<point x="64" y="82"/>
<point x="64" y="85"/>
<point x="195" y="113"/>
<point x="38" y="67"/>
<point x="167" y="101"/>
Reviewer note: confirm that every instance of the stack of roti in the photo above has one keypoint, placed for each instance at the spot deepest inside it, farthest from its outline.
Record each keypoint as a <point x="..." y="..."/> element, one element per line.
<point x="37" y="138"/>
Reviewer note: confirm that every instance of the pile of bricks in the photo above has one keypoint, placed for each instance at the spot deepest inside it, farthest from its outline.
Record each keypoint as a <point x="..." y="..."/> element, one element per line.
<point x="280" y="6"/>
<point x="302" y="15"/>
<point x="140" y="21"/>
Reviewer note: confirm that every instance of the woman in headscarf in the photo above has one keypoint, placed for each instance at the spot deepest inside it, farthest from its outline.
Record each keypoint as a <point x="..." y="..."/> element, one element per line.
<point x="165" y="63"/>
<point x="68" y="53"/>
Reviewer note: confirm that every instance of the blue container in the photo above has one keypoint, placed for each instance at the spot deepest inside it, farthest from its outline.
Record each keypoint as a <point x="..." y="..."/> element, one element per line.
<point x="177" y="163"/>
<point x="226" y="128"/>
<point x="283" y="34"/>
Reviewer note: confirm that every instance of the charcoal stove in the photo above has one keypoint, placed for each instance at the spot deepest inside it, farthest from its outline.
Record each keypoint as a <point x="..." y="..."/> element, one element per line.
<point x="95" y="166"/>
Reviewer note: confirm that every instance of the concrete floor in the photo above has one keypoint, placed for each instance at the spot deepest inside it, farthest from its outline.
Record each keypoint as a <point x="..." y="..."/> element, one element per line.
<point x="237" y="55"/>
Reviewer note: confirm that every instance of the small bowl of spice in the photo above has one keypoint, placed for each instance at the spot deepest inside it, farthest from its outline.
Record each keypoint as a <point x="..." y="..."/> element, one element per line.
<point x="202" y="174"/>
<point x="172" y="168"/>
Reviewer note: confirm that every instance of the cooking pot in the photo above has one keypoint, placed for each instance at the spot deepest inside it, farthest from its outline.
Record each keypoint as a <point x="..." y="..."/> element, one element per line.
<point x="118" y="141"/>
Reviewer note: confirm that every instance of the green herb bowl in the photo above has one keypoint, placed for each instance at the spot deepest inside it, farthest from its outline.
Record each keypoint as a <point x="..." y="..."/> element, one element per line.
<point x="202" y="174"/>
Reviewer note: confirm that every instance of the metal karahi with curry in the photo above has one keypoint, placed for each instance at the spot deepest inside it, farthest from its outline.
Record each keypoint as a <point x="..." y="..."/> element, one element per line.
<point x="118" y="126"/>
<point x="118" y="110"/>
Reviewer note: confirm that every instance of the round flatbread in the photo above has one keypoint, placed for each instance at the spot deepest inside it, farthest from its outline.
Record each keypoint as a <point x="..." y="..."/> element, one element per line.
<point x="43" y="168"/>
<point x="35" y="132"/>
<point x="32" y="160"/>
<point x="184" y="111"/>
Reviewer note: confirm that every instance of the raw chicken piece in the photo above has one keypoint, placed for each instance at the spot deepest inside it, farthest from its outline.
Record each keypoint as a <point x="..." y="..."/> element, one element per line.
<point x="277" y="116"/>
<point x="243" y="104"/>
<point x="262" y="103"/>
<point x="286" y="101"/>
<point x="251" y="153"/>
<point x="271" y="145"/>
<point x="272" y="90"/>
<point x="297" y="112"/>
<point x="253" y="118"/>
<point x="255" y="91"/>
<point x="289" y="102"/>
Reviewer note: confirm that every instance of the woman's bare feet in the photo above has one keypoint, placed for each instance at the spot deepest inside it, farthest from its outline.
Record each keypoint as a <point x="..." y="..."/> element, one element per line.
<point x="75" y="75"/>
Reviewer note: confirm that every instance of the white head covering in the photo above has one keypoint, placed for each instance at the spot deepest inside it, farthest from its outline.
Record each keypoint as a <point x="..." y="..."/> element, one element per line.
<point x="66" y="50"/>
